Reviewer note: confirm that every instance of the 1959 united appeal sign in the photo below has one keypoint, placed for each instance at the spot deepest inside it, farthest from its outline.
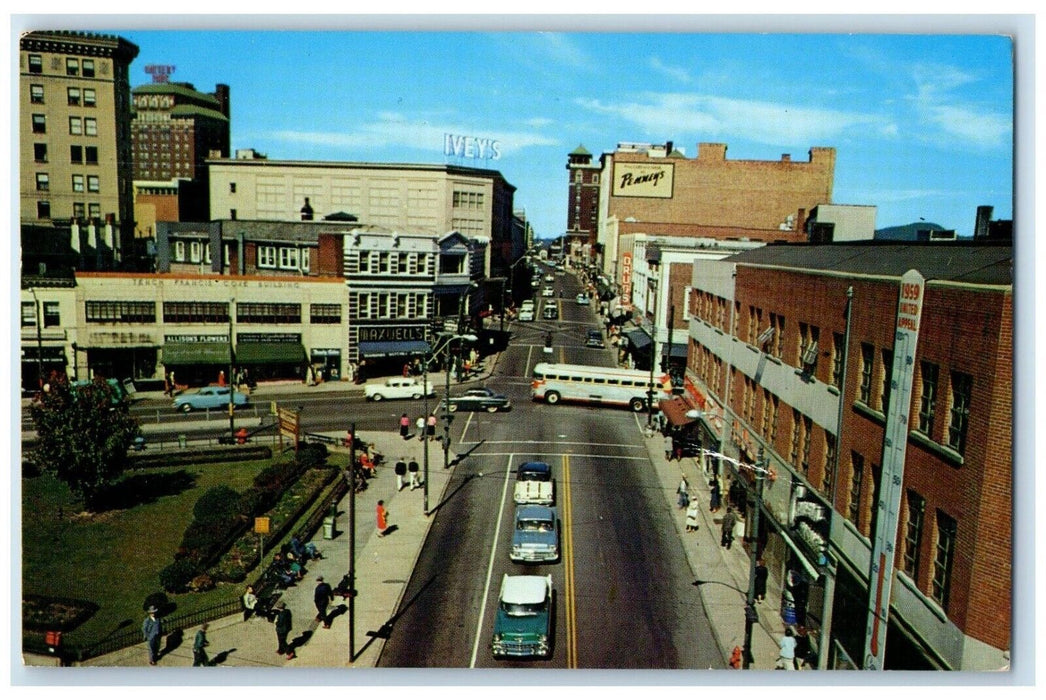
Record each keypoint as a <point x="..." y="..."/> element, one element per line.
<point x="643" y="180"/>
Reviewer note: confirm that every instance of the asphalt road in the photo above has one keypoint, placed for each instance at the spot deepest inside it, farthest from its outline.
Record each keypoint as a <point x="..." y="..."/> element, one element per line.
<point x="623" y="597"/>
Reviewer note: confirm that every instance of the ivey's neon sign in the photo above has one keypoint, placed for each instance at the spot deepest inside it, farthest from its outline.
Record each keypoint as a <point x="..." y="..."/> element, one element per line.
<point x="471" y="147"/>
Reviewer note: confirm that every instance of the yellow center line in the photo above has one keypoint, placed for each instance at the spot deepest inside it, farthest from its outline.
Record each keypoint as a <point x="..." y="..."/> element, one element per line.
<point x="570" y="612"/>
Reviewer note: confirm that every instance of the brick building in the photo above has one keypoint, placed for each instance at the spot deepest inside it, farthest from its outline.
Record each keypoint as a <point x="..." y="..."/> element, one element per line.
<point x="582" y="199"/>
<point x="768" y="338"/>
<point x="656" y="189"/>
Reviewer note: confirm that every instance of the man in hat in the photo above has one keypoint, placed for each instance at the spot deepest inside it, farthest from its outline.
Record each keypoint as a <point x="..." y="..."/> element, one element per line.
<point x="152" y="630"/>
<point x="322" y="597"/>
<point x="283" y="628"/>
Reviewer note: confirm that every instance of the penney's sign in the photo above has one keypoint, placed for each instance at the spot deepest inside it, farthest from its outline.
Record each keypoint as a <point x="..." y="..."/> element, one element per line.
<point x="471" y="147"/>
<point x="643" y="180"/>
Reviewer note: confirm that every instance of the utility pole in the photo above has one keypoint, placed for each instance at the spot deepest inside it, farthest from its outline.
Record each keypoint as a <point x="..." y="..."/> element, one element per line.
<point x="232" y="384"/>
<point x="425" y="428"/>
<point x="751" y="616"/>
<point x="352" y="545"/>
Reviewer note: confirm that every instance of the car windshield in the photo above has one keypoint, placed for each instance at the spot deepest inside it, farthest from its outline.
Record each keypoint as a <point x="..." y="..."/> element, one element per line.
<point x="534" y="476"/>
<point x="534" y="525"/>
<point x="522" y="609"/>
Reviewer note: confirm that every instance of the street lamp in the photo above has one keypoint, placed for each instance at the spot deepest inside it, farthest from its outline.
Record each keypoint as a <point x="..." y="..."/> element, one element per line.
<point x="231" y="383"/>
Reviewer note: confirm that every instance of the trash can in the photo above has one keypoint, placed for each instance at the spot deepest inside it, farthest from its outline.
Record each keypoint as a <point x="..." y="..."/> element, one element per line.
<point x="328" y="528"/>
<point x="183" y="441"/>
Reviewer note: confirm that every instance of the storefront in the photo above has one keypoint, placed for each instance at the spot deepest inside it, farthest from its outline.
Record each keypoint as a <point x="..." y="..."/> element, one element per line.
<point x="196" y="360"/>
<point x="41" y="361"/>
<point x="271" y="356"/>
<point x="326" y="363"/>
<point x="384" y="350"/>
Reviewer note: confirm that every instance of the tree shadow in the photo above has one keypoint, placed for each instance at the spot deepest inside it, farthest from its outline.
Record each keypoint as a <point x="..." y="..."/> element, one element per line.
<point x="141" y="489"/>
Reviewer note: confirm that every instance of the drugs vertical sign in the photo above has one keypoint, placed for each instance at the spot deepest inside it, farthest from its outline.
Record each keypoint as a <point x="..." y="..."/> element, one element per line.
<point x="895" y="443"/>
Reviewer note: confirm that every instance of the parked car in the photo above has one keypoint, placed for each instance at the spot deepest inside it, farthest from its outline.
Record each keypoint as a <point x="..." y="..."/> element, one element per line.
<point x="594" y="339"/>
<point x="534" y="484"/>
<point x="479" y="399"/>
<point x="582" y="299"/>
<point x="550" y="312"/>
<point x="397" y="388"/>
<point x="523" y="621"/>
<point x="536" y="535"/>
<point x="209" y="397"/>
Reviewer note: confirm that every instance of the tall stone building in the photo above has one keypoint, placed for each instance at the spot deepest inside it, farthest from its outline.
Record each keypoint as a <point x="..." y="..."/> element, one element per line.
<point x="76" y="199"/>
<point x="583" y="198"/>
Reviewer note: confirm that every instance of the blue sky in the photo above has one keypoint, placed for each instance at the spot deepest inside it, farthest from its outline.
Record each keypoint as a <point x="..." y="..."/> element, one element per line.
<point x="922" y="124"/>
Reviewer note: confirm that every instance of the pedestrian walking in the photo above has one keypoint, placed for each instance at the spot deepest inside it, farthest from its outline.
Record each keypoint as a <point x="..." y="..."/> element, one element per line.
<point x="401" y="471"/>
<point x="683" y="491"/>
<point x="761" y="574"/>
<point x="668" y="448"/>
<point x="199" y="653"/>
<point x="412" y="469"/>
<point x="786" y="655"/>
<point x="729" y="521"/>
<point x="167" y="385"/>
<point x="406" y="370"/>
<point x="419" y="425"/>
<point x="383" y="518"/>
<point x="152" y="630"/>
<point x="430" y="426"/>
<point x="692" y="512"/>
<point x="322" y="597"/>
<point x="284" y="622"/>
<point x="404" y="426"/>
<point x="715" y="496"/>
<point x="250" y="602"/>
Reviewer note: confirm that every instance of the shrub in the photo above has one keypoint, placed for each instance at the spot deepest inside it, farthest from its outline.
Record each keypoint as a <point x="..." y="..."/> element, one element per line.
<point x="202" y="538"/>
<point x="312" y="454"/>
<point x="201" y="583"/>
<point x="175" y="577"/>
<point x="219" y="503"/>
<point x="159" y="600"/>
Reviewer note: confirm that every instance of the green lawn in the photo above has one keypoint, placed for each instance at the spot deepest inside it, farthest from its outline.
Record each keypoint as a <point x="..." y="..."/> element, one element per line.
<point x="113" y="558"/>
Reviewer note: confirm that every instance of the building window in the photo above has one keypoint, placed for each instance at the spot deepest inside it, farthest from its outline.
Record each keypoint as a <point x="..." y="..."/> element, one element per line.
<point x="289" y="258"/>
<point x="43" y="209"/>
<point x="196" y="312"/>
<point x="305" y="261"/>
<point x="72" y="66"/>
<point x="962" y="385"/>
<point x="232" y="188"/>
<point x="91" y="155"/>
<point x="325" y="313"/>
<point x="943" y="557"/>
<point x="928" y="399"/>
<point x="120" y="312"/>
<point x="36" y="94"/>
<point x="93" y="183"/>
<point x="78" y="183"/>
<point x="90" y="97"/>
<point x="867" y="360"/>
<point x="195" y="251"/>
<point x="856" y="478"/>
<point x="28" y="314"/>
<point x="43" y="182"/>
<point x="827" y="472"/>
<point x="73" y="96"/>
<point x="94" y="210"/>
<point x="777" y="321"/>
<point x="78" y="210"/>
<point x="88" y="67"/>
<point x="838" y="348"/>
<point x="797" y="422"/>
<point x="91" y="126"/>
<point x="253" y="312"/>
<point x="40" y="152"/>
<point x="76" y="154"/>
<point x="884" y="393"/>
<point x="808" y="429"/>
<point x="39" y="124"/>
<point x="36" y="63"/>
<point x="266" y="256"/>
<point x="76" y="126"/>
<point x="913" y="533"/>
<point x="52" y="316"/>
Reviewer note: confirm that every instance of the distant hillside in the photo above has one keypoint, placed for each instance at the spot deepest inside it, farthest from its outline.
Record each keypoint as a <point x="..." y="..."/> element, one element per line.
<point x="907" y="232"/>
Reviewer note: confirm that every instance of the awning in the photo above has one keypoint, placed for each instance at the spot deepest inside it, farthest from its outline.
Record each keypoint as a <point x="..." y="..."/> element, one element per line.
<point x="675" y="411"/>
<point x="195" y="354"/>
<point x="270" y="354"/>
<point x="638" y="338"/>
<point x="392" y="348"/>
<point x="678" y="350"/>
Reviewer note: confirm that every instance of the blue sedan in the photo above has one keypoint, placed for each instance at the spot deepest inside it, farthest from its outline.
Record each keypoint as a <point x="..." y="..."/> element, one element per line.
<point x="209" y="397"/>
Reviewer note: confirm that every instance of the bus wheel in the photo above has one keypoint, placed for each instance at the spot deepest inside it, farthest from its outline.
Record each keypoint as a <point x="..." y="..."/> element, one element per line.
<point x="552" y="397"/>
<point x="637" y="404"/>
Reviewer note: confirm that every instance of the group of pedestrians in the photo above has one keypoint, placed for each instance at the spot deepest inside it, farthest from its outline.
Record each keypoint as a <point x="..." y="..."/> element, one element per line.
<point x="424" y="427"/>
<point x="402" y="469"/>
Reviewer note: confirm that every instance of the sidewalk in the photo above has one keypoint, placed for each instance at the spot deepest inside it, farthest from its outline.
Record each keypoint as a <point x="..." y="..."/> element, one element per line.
<point x="714" y="563"/>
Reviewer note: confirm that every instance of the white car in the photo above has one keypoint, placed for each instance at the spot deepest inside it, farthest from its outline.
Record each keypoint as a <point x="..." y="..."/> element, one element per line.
<point x="547" y="292"/>
<point x="582" y="299"/>
<point x="397" y="388"/>
<point x="526" y="313"/>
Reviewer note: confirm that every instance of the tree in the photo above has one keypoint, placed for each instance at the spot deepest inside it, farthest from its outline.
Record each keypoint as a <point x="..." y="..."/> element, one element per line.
<point x="83" y="435"/>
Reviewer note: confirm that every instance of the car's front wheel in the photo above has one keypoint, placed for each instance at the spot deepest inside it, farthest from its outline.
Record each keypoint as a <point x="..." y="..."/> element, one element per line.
<point x="453" y="408"/>
<point x="186" y="408"/>
<point x="377" y="397"/>
<point x="415" y="396"/>
<point x="492" y="409"/>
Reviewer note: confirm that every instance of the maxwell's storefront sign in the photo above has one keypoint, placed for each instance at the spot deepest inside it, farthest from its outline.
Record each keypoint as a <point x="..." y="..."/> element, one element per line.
<point x="384" y="334"/>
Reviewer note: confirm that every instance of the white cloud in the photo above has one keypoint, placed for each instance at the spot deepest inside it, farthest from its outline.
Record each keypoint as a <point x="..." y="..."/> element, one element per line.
<point x="391" y="129"/>
<point x="663" y="115"/>
<point x="961" y="121"/>
<point x="563" y="50"/>
<point x="674" y="72"/>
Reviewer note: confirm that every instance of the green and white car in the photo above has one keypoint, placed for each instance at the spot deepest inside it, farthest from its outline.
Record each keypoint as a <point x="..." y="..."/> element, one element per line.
<point x="523" y="623"/>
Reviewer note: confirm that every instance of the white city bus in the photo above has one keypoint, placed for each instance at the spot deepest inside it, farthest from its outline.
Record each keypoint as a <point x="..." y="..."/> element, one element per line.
<point x="597" y="385"/>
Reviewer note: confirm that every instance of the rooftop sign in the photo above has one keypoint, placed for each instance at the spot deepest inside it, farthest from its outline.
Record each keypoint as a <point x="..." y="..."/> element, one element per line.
<point x="471" y="147"/>
<point x="160" y="73"/>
